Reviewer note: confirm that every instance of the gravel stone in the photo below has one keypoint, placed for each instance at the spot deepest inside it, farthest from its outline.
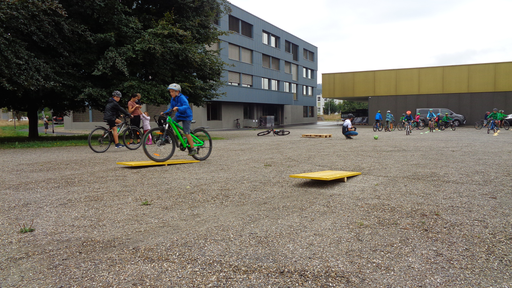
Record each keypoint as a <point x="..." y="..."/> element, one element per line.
<point x="429" y="210"/>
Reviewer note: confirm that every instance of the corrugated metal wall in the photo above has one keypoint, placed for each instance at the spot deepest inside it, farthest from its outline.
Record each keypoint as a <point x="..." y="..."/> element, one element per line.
<point x="493" y="77"/>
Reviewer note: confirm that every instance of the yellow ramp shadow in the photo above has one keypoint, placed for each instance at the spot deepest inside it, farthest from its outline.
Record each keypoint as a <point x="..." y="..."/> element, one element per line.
<point x="153" y="163"/>
<point x="327" y="175"/>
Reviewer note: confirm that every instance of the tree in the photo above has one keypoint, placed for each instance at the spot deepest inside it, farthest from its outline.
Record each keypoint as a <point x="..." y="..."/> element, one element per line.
<point x="72" y="55"/>
<point x="330" y="107"/>
<point x="352" y="106"/>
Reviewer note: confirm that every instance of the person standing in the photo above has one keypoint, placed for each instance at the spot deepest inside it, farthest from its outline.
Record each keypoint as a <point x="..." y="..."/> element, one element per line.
<point x="134" y="109"/>
<point x="45" y="122"/>
<point x="347" y="129"/>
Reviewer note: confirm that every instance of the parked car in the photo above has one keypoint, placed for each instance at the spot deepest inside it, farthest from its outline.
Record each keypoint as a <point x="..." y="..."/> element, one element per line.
<point x="509" y="118"/>
<point x="457" y="118"/>
<point x="57" y="120"/>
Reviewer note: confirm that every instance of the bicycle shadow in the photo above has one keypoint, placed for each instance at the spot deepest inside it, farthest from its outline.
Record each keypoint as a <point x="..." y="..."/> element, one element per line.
<point x="322" y="184"/>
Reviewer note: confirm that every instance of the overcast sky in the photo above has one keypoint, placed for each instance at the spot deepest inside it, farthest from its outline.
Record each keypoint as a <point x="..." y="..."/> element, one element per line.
<point x="360" y="35"/>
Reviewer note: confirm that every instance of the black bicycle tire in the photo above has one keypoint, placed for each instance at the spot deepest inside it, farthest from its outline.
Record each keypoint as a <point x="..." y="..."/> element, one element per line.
<point x="421" y="126"/>
<point x="201" y="156"/>
<point x="380" y="127"/>
<point x="375" y="127"/>
<point x="400" y="126"/>
<point x="454" y="126"/>
<point x="478" y="125"/>
<point x="237" y="125"/>
<point x="157" y="142"/>
<point x="133" y="131"/>
<point x="263" y="133"/>
<point x="506" y="125"/>
<point x="282" y="132"/>
<point x="106" y="146"/>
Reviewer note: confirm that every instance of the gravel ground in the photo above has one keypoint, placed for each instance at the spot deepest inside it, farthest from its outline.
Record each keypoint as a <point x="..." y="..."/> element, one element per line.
<point x="430" y="210"/>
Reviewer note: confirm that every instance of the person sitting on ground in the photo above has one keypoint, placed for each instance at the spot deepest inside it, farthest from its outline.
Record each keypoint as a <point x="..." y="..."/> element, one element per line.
<point x="112" y="111"/>
<point x="347" y="129"/>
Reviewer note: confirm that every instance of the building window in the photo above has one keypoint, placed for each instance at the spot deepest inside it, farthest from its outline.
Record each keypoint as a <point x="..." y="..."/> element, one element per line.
<point x="308" y="111"/>
<point x="264" y="36"/>
<point x="275" y="85"/>
<point x="286" y="86"/>
<point x="246" y="80"/>
<point x="287" y="67"/>
<point x="310" y="91"/>
<point x="270" y="62"/>
<point x="235" y="23"/>
<point x="294" y="88"/>
<point x="213" y="111"/>
<point x="213" y="47"/>
<point x="308" y="55"/>
<point x="233" y="78"/>
<point x="270" y="39"/>
<point x="234" y="52"/>
<point x="264" y="83"/>
<point x="304" y="90"/>
<point x="307" y="73"/>
<point x="295" y="72"/>
<point x="246" y="55"/>
<point x="293" y="49"/>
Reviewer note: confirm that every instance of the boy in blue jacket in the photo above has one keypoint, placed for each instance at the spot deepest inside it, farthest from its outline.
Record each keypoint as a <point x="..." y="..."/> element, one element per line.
<point x="179" y="104"/>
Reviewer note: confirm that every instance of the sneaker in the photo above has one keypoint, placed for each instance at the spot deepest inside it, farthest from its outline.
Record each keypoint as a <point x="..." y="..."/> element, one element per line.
<point x="192" y="152"/>
<point x="348" y="137"/>
<point x="119" y="145"/>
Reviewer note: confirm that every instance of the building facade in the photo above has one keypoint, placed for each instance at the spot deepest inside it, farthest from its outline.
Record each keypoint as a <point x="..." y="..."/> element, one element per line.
<point x="470" y="90"/>
<point x="320" y="102"/>
<point x="270" y="72"/>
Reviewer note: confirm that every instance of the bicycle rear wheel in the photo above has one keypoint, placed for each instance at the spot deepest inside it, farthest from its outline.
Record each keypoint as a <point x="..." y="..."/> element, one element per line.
<point x="100" y="140"/>
<point x="421" y="125"/>
<point x="506" y="125"/>
<point x="479" y="125"/>
<point x="263" y="133"/>
<point x="134" y="134"/>
<point x="157" y="145"/>
<point x="204" y="146"/>
<point x="282" y="132"/>
<point x="375" y="127"/>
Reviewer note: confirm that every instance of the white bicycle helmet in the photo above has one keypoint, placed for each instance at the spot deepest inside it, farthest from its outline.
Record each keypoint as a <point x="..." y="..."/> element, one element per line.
<point x="175" y="87"/>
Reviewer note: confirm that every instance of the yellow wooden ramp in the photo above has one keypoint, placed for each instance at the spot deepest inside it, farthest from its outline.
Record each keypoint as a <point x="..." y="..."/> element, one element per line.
<point x="153" y="163"/>
<point x="327" y="175"/>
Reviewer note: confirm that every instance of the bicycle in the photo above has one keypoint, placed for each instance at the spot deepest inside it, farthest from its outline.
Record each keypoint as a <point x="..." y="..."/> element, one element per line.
<point x="492" y="126"/>
<point x="377" y="126"/>
<point x="101" y="138"/>
<point x="400" y="126"/>
<point x="480" y="124"/>
<point x="504" y="124"/>
<point x="407" y="128"/>
<point x="445" y="125"/>
<point x="237" y="124"/>
<point x="281" y="132"/>
<point x="390" y="126"/>
<point x="160" y="143"/>
<point x="431" y="124"/>
<point x="418" y="125"/>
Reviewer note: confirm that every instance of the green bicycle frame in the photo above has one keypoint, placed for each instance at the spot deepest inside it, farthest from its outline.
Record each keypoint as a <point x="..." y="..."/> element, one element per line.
<point x="176" y="129"/>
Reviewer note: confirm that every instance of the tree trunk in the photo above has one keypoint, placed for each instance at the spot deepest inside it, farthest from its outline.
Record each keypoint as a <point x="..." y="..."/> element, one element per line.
<point x="33" y="122"/>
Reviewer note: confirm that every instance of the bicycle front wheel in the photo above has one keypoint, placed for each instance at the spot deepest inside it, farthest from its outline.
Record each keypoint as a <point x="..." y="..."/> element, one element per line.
<point x="375" y="127"/>
<point x="263" y="133"/>
<point x="282" y="132"/>
<point x="100" y="140"/>
<point x="132" y="137"/>
<point x="157" y="145"/>
<point x="202" y="143"/>
<point x="421" y="125"/>
<point x="479" y="125"/>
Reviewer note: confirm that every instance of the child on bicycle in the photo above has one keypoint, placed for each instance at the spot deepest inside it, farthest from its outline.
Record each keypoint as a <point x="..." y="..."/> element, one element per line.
<point x="378" y="119"/>
<point x="494" y="117"/>
<point x="112" y="112"/>
<point x="447" y="119"/>
<point x="389" y="119"/>
<point x="179" y="104"/>
<point x="408" y="119"/>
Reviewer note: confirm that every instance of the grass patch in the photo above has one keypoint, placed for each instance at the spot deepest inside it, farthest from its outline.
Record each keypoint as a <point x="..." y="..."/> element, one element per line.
<point x="26" y="229"/>
<point x="15" y="142"/>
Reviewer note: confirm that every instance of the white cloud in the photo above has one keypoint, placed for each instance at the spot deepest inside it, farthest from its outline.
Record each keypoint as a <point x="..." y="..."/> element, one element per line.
<point x="376" y="34"/>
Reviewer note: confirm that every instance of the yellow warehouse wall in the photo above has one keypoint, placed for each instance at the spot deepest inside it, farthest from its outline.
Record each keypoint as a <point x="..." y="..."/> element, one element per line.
<point x="491" y="77"/>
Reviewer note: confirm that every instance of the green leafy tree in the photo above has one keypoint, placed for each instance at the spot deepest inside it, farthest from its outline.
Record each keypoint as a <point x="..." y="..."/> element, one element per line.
<point x="330" y="107"/>
<point x="352" y="106"/>
<point x="70" y="55"/>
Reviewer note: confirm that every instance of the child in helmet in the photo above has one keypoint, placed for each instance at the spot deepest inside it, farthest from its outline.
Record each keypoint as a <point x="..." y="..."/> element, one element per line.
<point x="179" y="104"/>
<point x="494" y="116"/>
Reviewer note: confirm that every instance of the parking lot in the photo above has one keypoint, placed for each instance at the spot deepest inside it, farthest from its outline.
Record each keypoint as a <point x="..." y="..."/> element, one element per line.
<point x="429" y="209"/>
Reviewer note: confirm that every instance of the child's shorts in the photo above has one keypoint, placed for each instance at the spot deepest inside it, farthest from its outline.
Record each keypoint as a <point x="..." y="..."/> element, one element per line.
<point x="186" y="125"/>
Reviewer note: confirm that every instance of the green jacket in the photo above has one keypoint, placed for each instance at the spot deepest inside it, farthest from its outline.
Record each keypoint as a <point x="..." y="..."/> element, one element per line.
<point x="494" y="116"/>
<point x="501" y="116"/>
<point x="446" y="119"/>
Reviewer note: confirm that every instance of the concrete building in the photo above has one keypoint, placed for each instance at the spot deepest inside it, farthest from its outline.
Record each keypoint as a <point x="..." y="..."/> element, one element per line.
<point x="469" y="90"/>
<point x="271" y="73"/>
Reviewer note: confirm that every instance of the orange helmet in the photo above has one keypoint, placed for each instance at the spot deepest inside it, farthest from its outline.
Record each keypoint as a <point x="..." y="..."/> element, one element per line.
<point x="408" y="112"/>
